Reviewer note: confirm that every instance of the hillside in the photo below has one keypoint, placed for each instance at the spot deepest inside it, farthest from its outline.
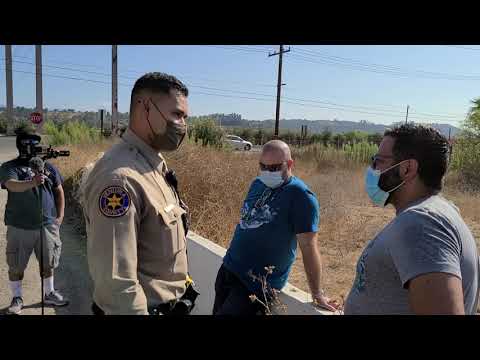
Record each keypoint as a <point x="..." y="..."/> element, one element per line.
<point x="314" y="126"/>
<point x="229" y="120"/>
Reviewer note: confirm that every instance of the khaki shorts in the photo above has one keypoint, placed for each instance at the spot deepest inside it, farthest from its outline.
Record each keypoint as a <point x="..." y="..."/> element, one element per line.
<point x="21" y="243"/>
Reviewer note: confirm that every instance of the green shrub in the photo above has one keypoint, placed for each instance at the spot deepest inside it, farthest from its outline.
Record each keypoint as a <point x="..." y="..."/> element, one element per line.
<point x="72" y="132"/>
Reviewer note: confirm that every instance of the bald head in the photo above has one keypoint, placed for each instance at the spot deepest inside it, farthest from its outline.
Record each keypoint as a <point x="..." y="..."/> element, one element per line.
<point x="276" y="155"/>
<point x="276" y="150"/>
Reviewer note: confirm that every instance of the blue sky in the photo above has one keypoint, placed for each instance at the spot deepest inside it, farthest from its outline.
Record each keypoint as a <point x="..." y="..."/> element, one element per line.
<point x="323" y="82"/>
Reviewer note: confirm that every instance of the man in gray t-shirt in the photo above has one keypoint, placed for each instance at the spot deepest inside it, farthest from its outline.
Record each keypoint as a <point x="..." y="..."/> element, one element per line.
<point x="424" y="261"/>
<point x="427" y="237"/>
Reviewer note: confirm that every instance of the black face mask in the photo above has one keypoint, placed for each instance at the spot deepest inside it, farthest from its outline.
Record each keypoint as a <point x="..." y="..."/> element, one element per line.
<point x="173" y="136"/>
<point x="390" y="180"/>
<point x="172" y="139"/>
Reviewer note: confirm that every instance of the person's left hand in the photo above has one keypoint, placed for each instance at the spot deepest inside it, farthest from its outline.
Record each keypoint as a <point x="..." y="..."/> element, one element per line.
<point x="59" y="220"/>
<point x="326" y="303"/>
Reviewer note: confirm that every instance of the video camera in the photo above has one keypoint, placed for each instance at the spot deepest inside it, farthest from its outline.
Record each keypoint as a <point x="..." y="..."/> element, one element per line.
<point x="29" y="146"/>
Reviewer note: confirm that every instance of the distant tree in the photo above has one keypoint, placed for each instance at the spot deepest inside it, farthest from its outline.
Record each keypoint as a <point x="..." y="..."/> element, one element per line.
<point x="259" y="137"/>
<point x="375" y="138"/>
<point x="326" y="136"/>
<point x="3" y="123"/>
<point x="247" y="134"/>
<point x="316" y="138"/>
<point x="208" y="132"/>
<point x="353" y="137"/>
<point x="339" y="140"/>
<point x="288" y="137"/>
<point x="24" y="126"/>
<point x="472" y="123"/>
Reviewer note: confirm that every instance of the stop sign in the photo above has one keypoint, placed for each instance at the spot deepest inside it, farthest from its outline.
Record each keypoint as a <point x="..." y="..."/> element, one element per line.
<point x="36" y="118"/>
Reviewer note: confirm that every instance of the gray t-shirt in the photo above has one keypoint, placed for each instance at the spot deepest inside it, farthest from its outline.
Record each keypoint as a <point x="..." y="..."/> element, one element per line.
<point x="428" y="236"/>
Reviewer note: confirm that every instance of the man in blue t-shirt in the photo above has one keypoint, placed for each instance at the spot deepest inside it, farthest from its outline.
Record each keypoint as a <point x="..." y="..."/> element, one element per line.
<point x="24" y="223"/>
<point x="279" y="211"/>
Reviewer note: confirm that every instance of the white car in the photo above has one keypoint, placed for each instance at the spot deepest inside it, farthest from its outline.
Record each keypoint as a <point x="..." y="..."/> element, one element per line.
<point x="238" y="143"/>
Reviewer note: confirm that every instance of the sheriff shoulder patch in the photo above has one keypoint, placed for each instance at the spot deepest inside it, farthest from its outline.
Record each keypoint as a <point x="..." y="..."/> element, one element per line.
<point x="114" y="201"/>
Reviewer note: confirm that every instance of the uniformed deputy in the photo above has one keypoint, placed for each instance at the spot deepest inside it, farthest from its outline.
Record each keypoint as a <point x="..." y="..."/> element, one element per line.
<point x="136" y="240"/>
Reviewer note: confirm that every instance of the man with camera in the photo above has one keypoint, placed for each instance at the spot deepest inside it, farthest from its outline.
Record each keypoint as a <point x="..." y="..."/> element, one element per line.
<point x="136" y="222"/>
<point x="24" y="223"/>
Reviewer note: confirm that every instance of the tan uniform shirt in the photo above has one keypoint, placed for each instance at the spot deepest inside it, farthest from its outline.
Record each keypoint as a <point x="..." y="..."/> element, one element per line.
<point x="136" y="241"/>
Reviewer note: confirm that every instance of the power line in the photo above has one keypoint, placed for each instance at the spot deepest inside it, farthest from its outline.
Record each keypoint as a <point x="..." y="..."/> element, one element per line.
<point x="69" y="78"/>
<point x="136" y="72"/>
<point x="318" y="57"/>
<point x="463" y="47"/>
<point x="71" y="69"/>
<point x="65" y="63"/>
<point x="393" y="70"/>
<point x="339" y="106"/>
<point x="329" y="103"/>
<point x="385" y="112"/>
<point x="298" y="101"/>
<point x="205" y="79"/>
<point x="251" y="50"/>
<point x="362" y="112"/>
<point x="369" y="68"/>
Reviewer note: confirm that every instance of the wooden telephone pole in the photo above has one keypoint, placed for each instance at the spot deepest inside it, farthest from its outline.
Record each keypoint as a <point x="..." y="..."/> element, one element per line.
<point x="9" y="84"/>
<point x="39" y="86"/>
<point x="114" y="90"/>
<point x="279" y="85"/>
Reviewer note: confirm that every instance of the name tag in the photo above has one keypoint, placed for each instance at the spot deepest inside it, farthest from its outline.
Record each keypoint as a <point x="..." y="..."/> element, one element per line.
<point x="169" y="208"/>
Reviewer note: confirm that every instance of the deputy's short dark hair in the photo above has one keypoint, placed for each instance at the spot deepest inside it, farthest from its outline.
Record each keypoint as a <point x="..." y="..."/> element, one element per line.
<point x="426" y="145"/>
<point x="157" y="82"/>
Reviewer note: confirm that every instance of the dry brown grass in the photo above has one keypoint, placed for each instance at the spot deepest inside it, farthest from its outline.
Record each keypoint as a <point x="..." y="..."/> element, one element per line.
<point x="70" y="167"/>
<point x="347" y="222"/>
<point x="79" y="156"/>
<point x="214" y="184"/>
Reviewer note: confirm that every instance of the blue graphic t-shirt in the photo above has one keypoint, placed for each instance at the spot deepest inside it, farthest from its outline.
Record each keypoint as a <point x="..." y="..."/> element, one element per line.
<point x="266" y="234"/>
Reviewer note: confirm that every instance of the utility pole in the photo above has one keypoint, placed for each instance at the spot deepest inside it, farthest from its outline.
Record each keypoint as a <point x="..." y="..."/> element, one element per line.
<point x="101" y="122"/>
<point x="279" y="85"/>
<point x="406" y="117"/>
<point x="114" y="89"/>
<point x="39" y="88"/>
<point x="9" y="90"/>
<point x="450" y="146"/>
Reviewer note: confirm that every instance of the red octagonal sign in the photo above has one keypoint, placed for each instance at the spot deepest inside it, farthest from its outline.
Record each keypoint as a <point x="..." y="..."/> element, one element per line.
<point x="36" y="118"/>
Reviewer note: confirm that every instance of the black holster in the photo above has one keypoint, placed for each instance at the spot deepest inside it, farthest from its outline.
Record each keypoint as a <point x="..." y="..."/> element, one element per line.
<point x="171" y="179"/>
<point x="96" y="310"/>
<point x="181" y="307"/>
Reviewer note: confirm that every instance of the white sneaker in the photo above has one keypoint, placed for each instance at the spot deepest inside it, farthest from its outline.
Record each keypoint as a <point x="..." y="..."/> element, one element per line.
<point x="55" y="299"/>
<point x="16" y="306"/>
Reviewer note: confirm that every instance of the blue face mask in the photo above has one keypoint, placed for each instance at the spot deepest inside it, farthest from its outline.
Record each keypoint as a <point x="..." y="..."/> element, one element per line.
<point x="375" y="193"/>
<point x="271" y="179"/>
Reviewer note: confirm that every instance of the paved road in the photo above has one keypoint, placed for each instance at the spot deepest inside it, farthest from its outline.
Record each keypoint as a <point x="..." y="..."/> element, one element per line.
<point x="7" y="148"/>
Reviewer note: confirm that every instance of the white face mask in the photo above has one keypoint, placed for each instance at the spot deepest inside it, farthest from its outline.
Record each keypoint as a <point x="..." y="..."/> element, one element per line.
<point x="271" y="179"/>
